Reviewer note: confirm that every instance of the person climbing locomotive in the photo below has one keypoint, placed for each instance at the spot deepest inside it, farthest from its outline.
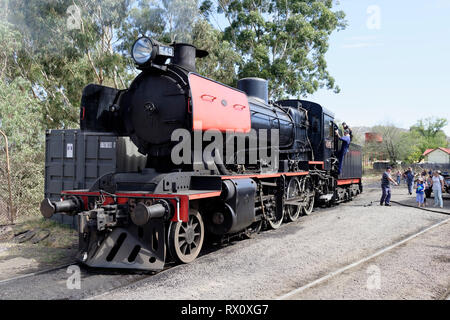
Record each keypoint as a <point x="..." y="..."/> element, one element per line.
<point x="346" y="140"/>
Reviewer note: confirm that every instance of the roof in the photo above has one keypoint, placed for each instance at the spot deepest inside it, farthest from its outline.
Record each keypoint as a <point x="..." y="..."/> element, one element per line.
<point x="428" y="151"/>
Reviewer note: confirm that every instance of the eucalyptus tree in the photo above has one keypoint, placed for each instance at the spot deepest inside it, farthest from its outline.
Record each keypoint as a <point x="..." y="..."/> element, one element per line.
<point x="282" y="41"/>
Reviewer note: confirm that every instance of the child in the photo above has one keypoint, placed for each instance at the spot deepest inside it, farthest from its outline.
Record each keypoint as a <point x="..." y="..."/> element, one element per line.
<point x="420" y="192"/>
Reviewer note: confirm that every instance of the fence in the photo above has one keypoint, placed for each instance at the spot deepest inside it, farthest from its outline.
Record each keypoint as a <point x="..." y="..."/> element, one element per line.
<point x="6" y="206"/>
<point x="419" y="167"/>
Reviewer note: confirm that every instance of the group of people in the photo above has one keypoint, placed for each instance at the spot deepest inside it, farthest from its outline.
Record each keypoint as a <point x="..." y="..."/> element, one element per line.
<point x="424" y="183"/>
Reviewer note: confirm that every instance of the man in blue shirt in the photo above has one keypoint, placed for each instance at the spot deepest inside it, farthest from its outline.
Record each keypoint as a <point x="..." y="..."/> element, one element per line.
<point x="386" y="180"/>
<point x="410" y="179"/>
<point x="346" y="139"/>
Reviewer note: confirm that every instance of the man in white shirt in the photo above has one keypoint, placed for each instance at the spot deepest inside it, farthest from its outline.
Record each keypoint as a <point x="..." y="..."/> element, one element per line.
<point x="438" y="188"/>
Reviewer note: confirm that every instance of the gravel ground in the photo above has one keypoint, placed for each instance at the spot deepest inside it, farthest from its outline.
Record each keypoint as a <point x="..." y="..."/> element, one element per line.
<point x="275" y="262"/>
<point x="419" y="269"/>
<point x="53" y="285"/>
<point x="278" y="261"/>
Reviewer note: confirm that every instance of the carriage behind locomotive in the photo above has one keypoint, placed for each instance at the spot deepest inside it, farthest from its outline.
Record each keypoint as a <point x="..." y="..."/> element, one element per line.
<point x="141" y="218"/>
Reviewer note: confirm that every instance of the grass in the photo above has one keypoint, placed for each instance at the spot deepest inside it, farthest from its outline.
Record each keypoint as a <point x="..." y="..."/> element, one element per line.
<point x="58" y="248"/>
<point x="61" y="236"/>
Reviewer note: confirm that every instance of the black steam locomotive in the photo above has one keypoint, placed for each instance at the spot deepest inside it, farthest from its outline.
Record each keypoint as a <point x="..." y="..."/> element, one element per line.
<point x="140" y="220"/>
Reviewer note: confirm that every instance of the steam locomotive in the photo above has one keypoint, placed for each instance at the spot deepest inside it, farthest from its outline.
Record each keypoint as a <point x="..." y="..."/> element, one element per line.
<point x="165" y="211"/>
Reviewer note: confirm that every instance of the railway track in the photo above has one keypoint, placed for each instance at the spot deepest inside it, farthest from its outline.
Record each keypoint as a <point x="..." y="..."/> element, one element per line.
<point x="32" y="274"/>
<point x="52" y="284"/>
<point x="291" y="294"/>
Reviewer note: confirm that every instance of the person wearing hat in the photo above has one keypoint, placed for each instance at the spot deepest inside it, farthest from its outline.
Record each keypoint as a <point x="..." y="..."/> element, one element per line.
<point x="346" y="127"/>
<point x="438" y="187"/>
<point x="386" y="180"/>
<point x="346" y="139"/>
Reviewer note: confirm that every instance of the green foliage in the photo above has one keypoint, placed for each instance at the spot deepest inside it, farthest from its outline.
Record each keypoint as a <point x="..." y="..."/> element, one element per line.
<point x="282" y="41"/>
<point x="395" y="145"/>
<point x="166" y="21"/>
<point x="220" y="63"/>
<point x="409" y="146"/>
<point x="21" y="122"/>
<point x="59" y="61"/>
<point x="428" y="134"/>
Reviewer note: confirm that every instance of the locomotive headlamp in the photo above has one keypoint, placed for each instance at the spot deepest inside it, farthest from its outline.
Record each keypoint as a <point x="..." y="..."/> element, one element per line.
<point x="143" y="51"/>
<point x="146" y="49"/>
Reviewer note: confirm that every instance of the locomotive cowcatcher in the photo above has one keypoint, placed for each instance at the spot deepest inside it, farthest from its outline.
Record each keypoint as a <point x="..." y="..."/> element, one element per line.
<point x="166" y="210"/>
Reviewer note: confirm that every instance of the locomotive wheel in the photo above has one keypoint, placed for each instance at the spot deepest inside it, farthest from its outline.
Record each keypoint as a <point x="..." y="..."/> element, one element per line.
<point x="309" y="197"/>
<point x="275" y="222"/>
<point x="186" y="238"/>
<point x="293" y="191"/>
<point x="308" y="209"/>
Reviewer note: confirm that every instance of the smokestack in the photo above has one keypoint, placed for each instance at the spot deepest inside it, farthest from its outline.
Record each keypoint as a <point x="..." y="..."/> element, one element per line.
<point x="185" y="55"/>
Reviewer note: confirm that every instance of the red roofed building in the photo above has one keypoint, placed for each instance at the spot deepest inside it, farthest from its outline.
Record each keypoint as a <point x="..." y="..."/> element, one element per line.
<point x="438" y="155"/>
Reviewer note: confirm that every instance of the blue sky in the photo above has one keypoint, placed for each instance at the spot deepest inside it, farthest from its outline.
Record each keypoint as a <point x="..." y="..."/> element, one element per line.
<point x="397" y="73"/>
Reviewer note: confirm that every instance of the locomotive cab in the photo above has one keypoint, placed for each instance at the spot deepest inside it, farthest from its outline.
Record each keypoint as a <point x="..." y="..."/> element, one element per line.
<point x="321" y="132"/>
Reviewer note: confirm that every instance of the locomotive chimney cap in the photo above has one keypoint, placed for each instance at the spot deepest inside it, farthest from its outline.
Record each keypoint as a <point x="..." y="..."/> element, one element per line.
<point x="199" y="53"/>
<point x="185" y="55"/>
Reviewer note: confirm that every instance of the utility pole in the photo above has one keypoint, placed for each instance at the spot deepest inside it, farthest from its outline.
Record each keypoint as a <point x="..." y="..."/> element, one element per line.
<point x="8" y="170"/>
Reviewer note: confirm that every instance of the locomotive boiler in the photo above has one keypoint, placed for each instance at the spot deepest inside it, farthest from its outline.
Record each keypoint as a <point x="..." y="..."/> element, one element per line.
<point x="165" y="211"/>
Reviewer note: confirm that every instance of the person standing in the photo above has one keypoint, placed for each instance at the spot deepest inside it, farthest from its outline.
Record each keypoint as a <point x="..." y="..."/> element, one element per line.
<point x="429" y="185"/>
<point x="410" y="179"/>
<point x="420" y="192"/>
<point x="386" y="180"/>
<point x="399" y="177"/>
<point x="438" y="187"/>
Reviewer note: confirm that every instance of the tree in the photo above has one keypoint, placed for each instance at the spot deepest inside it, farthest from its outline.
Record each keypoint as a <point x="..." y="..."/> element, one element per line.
<point x="221" y="61"/>
<point x="282" y="41"/>
<point x="21" y="121"/>
<point x="58" y="60"/>
<point x="428" y="134"/>
<point x="396" y="142"/>
<point x="167" y="21"/>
